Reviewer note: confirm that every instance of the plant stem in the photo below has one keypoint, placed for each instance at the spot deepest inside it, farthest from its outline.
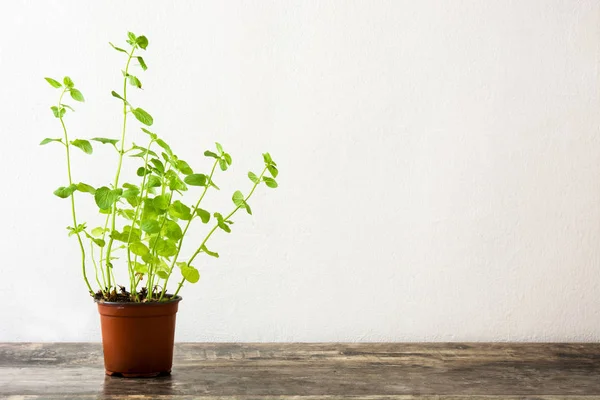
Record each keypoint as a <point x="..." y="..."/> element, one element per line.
<point x="95" y="264"/>
<point x="217" y="225"/>
<point x="135" y="217"/>
<point x="67" y="145"/>
<point x="121" y="152"/>
<point x="187" y="226"/>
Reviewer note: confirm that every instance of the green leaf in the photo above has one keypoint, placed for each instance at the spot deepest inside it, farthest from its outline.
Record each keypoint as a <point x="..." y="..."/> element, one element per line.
<point x="64" y="192"/>
<point x="161" y="202"/>
<point x="180" y="210"/>
<point x="117" y="95"/>
<point x="184" y="167"/>
<point x="142" y="63"/>
<point x="150" y="226"/>
<point x="153" y="181"/>
<point x="175" y="183"/>
<point x="152" y="134"/>
<point x="142" y="41"/>
<point x="132" y="38"/>
<point x="76" y="95"/>
<point x="85" y="188"/>
<point x="209" y="153"/>
<point x="131" y="193"/>
<point x="223" y="164"/>
<point x="105" y="140"/>
<point x="58" y="112"/>
<point x="221" y="223"/>
<point x="53" y="83"/>
<point x="196" y="179"/>
<point x="267" y="158"/>
<point x="165" y="146"/>
<point x="162" y="274"/>
<point x="118" y="48"/>
<point x="219" y="148"/>
<point x="189" y="273"/>
<point x="134" y="81"/>
<point x="84" y="145"/>
<point x="238" y="199"/>
<point x="203" y="214"/>
<point x="158" y="165"/>
<point x="253" y="177"/>
<point x="130" y="186"/>
<point x="270" y="182"/>
<point x="142" y="116"/>
<point x="99" y="231"/>
<point x="142" y="151"/>
<point x="141" y="171"/>
<point x="248" y="209"/>
<point x="273" y="170"/>
<point x="212" y="183"/>
<point x="68" y="82"/>
<point x="149" y="258"/>
<point x="126" y="213"/>
<point x="99" y="242"/>
<point x="140" y="268"/>
<point x="172" y="230"/>
<point x="80" y="228"/>
<point x="165" y="248"/>
<point x="210" y="253"/>
<point x="139" y="249"/>
<point x="128" y="235"/>
<point x="106" y="197"/>
<point x="48" y="140"/>
<point x="227" y="158"/>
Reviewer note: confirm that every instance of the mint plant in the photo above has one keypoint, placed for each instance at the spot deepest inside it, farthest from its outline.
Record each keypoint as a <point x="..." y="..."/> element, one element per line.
<point x="145" y="222"/>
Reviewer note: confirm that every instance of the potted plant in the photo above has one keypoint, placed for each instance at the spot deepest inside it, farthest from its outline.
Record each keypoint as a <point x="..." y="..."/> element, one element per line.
<point x="144" y="226"/>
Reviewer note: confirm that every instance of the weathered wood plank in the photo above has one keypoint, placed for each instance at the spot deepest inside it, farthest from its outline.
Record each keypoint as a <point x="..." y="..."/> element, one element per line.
<point x="313" y="370"/>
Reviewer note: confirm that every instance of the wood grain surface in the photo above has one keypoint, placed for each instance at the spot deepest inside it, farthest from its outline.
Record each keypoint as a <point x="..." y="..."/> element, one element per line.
<point x="310" y="371"/>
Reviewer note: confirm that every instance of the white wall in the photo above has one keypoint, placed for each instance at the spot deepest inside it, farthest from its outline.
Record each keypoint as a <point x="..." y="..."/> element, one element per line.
<point x="440" y="164"/>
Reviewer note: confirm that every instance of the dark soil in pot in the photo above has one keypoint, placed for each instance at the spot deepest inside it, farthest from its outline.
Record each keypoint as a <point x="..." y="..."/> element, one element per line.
<point x="137" y="337"/>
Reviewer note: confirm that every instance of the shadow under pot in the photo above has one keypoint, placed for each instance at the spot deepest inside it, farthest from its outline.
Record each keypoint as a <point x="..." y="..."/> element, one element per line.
<point x="137" y="338"/>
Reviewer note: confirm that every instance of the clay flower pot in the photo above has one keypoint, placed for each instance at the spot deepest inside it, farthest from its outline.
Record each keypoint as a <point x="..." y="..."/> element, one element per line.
<point x="137" y="338"/>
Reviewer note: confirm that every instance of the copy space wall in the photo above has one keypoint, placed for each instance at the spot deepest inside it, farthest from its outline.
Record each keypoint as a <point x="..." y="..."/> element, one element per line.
<point x="439" y="164"/>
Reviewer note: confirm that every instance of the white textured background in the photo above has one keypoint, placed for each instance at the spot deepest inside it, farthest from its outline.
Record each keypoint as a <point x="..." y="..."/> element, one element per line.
<point x="440" y="164"/>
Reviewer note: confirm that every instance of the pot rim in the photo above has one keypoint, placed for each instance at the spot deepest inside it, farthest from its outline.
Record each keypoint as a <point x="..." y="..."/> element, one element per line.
<point x="176" y="299"/>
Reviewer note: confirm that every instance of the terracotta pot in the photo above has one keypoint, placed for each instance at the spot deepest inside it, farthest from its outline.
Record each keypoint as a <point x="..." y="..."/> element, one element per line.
<point x="138" y="337"/>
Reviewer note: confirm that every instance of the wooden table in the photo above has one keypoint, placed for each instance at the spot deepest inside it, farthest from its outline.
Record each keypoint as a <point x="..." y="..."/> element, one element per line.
<point x="382" y="371"/>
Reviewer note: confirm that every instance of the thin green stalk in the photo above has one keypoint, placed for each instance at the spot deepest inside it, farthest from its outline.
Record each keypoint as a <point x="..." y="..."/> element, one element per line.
<point x="95" y="264"/>
<point x="121" y="152"/>
<point x="153" y="251"/>
<point x="67" y="145"/>
<point x="216" y="226"/>
<point x="187" y="226"/>
<point x="135" y="217"/>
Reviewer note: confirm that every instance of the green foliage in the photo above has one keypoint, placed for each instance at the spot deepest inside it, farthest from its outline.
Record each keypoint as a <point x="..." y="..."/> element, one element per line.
<point x="142" y="63"/>
<point x="48" y="140"/>
<point x="196" y="180"/>
<point x="105" y="197"/>
<point x="76" y="95"/>
<point x="84" y="145"/>
<point x="142" y="116"/>
<point x="203" y="214"/>
<point x="105" y="140"/>
<point x="54" y="83"/>
<point x="65" y="191"/>
<point x="85" y="188"/>
<point x="145" y="222"/>
<point x="68" y="82"/>
<point x="190" y="273"/>
<point x="270" y="182"/>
